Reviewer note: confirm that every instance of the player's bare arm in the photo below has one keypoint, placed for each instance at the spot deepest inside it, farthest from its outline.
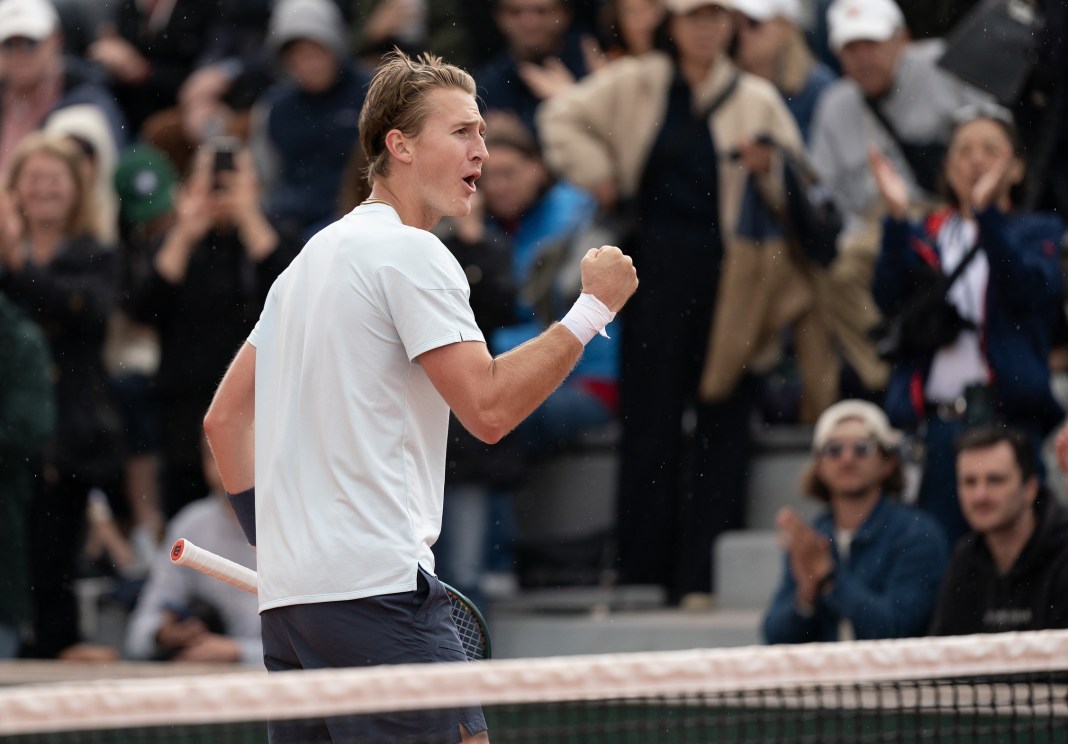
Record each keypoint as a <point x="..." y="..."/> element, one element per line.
<point x="229" y="423"/>
<point x="491" y="396"/>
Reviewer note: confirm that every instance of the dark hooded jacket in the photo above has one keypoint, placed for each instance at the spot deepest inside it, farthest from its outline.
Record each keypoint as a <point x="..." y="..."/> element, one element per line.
<point x="1033" y="595"/>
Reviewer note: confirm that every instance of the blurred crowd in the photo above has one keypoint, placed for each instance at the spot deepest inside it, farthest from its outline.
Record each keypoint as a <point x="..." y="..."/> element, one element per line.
<point x="791" y="177"/>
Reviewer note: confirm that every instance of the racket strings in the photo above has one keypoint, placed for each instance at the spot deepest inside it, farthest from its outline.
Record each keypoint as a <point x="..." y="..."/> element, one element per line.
<point x="469" y="629"/>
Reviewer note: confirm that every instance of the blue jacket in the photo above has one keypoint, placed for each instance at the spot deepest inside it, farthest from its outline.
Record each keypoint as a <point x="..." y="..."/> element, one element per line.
<point x="1022" y="301"/>
<point x="886" y="588"/>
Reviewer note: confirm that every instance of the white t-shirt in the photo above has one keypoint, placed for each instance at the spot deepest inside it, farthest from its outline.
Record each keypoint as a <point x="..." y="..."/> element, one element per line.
<point x="962" y="363"/>
<point x="350" y="431"/>
<point x="844" y="539"/>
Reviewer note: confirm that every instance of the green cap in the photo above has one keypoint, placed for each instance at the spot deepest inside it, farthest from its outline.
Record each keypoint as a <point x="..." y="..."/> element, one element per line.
<point x="144" y="181"/>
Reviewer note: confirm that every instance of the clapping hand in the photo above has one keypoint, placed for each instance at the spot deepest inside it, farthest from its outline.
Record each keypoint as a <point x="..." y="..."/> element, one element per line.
<point x="891" y="185"/>
<point x="994" y="185"/>
<point x="811" y="558"/>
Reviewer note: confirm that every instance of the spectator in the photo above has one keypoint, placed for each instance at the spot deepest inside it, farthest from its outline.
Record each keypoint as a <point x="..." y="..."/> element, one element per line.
<point x="184" y="615"/>
<point x="56" y="271"/>
<point x="1008" y="295"/>
<point x="894" y="96"/>
<point x="628" y="27"/>
<point x="717" y="286"/>
<point x="1011" y="571"/>
<point x="544" y="54"/>
<point x="27" y="419"/>
<point x="868" y="566"/>
<point x="88" y="130"/>
<point x="149" y="49"/>
<point x="304" y="129"/>
<point x="207" y="284"/>
<point x="924" y="19"/>
<point x="40" y="89"/>
<point x="772" y="45"/>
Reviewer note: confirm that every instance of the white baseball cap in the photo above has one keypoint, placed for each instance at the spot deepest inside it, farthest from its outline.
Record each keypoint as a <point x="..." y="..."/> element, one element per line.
<point x="862" y="20"/>
<point x="765" y="10"/>
<point x="871" y="415"/>
<point x="30" y="19"/>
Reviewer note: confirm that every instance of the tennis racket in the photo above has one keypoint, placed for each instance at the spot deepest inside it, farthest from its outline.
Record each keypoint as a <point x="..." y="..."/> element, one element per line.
<point x="471" y="626"/>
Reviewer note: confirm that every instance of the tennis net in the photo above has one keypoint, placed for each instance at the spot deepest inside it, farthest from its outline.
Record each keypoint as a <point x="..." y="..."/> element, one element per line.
<point x="1009" y="687"/>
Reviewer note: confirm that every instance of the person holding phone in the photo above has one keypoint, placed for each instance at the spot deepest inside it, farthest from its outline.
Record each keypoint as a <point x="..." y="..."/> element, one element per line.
<point x="208" y="280"/>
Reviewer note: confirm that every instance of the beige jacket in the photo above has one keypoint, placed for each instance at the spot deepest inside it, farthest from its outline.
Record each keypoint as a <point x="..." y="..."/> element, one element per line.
<point x="604" y="128"/>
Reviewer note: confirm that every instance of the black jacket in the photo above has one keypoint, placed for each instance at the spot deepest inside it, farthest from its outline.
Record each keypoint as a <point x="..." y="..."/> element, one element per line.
<point x="71" y="299"/>
<point x="203" y="320"/>
<point x="1033" y="595"/>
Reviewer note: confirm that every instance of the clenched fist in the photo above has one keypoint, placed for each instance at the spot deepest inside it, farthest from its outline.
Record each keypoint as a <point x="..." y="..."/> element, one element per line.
<point x="609" y="275"/>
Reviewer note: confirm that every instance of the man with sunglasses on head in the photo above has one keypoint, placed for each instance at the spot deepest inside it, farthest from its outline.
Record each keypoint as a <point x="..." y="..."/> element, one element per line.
<point x="867" y="567"/>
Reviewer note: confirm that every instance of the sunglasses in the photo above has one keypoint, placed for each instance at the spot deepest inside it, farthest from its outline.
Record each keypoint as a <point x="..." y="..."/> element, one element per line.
<point x="861" y="449"/>
<point x="16" y="43"/>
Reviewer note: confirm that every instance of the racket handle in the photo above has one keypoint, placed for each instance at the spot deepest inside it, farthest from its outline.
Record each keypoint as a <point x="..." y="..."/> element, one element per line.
<point x="185" y="553"/>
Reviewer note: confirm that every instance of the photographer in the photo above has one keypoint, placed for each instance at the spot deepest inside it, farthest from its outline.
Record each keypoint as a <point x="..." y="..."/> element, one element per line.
<point x="206" y="287"/>
<point x="1002" y="306"/>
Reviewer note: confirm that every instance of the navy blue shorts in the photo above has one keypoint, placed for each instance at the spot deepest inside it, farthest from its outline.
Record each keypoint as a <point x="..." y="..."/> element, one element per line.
<point x="405" y="628"/>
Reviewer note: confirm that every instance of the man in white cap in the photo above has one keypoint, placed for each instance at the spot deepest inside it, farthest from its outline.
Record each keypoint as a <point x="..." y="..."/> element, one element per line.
<point x="36" y="81"/>
<point x="867" y="567"/>
<point x="771" y="45"/>
<point x="893" y="97"/>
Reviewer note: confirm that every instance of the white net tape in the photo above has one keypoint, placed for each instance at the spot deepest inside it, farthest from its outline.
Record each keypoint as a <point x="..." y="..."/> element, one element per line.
<point x="256" y="696"/>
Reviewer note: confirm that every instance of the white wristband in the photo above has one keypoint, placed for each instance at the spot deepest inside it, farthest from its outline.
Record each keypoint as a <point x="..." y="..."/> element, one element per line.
<point x="587" y="317"/>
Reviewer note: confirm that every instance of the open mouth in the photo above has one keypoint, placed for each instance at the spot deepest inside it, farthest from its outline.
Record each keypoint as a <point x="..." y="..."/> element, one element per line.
<point x="470" y="180"/>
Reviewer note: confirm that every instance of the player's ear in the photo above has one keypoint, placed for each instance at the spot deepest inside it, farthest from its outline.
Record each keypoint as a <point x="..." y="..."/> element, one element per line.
<point x="397" y="144"/>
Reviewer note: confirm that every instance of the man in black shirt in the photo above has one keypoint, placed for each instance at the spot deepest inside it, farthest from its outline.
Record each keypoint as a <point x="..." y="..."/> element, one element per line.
<point x="1011" y="571"/>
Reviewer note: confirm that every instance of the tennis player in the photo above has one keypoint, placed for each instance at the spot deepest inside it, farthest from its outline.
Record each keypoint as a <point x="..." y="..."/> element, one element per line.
<point x="337" y="407"/>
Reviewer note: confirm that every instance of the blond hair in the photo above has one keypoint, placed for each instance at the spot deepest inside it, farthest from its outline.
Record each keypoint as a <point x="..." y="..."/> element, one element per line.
<point x="397" y="99"/>
<point x="83" y="219"/>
